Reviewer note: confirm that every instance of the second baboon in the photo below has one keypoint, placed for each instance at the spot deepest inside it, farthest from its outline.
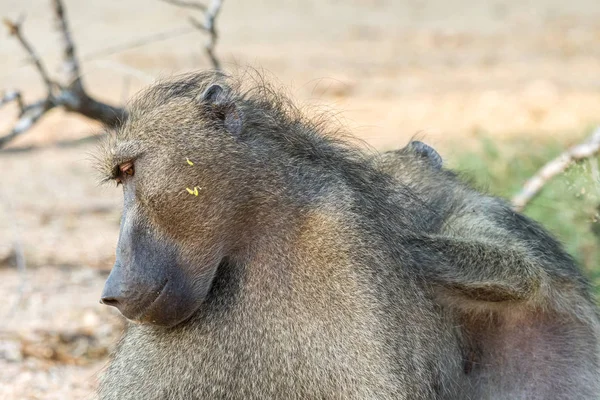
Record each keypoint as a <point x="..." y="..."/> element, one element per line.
<point x="260" y="257"/>
<point x="522" y="304"/>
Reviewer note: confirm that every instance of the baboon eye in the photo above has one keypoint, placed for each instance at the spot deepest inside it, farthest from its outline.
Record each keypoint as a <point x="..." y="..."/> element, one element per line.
<point x="125" y="170"/>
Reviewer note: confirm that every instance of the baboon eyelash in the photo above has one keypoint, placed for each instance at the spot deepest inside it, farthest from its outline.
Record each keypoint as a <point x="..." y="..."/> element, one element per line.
<point x="122" y="171"/>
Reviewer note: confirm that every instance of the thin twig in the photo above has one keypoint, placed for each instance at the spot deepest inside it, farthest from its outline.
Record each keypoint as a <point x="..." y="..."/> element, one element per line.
<point x="187" y="4"/>
<point x="586" y="149"/>
<point x="13" y="95"/>
<point x="20" y="260"/>
<point x="14" y="29"/>
<point x="29" y="117"/>
<point x="209" y="25"/>
<point x="70" y="62"/>
<point x="154" y="38"/>
<point x="197" y="24"/>
<point x="69" y="95"/>
<point x="22" y="269"/>
<point x="125" y="70"/>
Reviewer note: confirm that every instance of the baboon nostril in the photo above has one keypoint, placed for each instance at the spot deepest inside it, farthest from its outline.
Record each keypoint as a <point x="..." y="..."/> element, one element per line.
<point x="109" y="301"/>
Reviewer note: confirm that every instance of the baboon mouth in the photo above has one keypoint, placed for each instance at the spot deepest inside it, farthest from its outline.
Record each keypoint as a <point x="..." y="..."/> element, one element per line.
<point x="146" y="310"/>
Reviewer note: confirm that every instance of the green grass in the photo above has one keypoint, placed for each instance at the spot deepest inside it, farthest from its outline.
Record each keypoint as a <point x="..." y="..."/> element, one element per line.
<point x="568" y="206"/>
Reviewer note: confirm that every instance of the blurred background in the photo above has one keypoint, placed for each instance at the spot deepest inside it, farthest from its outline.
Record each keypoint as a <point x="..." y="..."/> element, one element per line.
<point x="498" y="87"/>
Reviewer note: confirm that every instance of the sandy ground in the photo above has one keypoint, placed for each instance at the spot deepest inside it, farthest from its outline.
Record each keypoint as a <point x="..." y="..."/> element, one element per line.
<point x="448" y="69"/>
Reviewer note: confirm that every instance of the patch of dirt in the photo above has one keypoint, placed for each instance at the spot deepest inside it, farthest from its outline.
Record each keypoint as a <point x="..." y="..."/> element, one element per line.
<point x="54" y="337"/>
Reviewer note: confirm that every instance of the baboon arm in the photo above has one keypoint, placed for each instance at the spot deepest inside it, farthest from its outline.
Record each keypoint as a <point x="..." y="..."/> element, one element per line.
<point x="477" y="270"/>
<point x="521" y="321"/>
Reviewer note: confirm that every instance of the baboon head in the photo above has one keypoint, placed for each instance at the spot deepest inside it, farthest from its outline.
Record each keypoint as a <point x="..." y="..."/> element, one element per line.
<point x="180" y="162"/>
<point x="417" y="165"/>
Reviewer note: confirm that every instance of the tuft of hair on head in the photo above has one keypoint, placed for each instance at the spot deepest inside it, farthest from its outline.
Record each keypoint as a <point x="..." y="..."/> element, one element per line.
<point x="101" y="157"/>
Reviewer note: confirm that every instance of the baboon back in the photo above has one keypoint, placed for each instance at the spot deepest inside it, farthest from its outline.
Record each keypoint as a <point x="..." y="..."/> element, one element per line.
<point x="525" y="309"/>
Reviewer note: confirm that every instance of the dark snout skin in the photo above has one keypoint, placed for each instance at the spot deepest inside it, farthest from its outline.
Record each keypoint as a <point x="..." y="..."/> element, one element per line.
<point x="148" y="283"/>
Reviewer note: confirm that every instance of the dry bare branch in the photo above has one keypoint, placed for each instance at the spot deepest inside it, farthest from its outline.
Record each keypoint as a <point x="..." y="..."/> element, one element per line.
<point x="70" y="62"/>
<point x="14" y="29"/>
<point x="68" y="94"/>
<point x="209" y="25"/>
<point x="13" y="95"/>
<point x="28" y="118"/>
<point x="586" y="149"/>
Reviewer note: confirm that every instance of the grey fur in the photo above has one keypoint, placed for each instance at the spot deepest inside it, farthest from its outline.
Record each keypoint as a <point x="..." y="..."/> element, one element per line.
<point x="524" y="307"/>
<point x="328" y="278"/>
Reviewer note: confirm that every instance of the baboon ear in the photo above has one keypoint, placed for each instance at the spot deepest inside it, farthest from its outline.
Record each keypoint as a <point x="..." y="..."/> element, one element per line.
<point x="225" y="108"/>
<point x="428" y="153"/>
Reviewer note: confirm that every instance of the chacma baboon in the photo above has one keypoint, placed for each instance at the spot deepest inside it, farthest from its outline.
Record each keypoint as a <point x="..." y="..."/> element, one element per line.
<point x="262" y="258"/>
<point x="523" y="306"/>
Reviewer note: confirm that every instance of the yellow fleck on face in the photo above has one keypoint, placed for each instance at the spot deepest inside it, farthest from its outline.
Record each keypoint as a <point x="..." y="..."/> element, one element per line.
<point x="193" y="191"/>
<point x="189" y="162"/>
